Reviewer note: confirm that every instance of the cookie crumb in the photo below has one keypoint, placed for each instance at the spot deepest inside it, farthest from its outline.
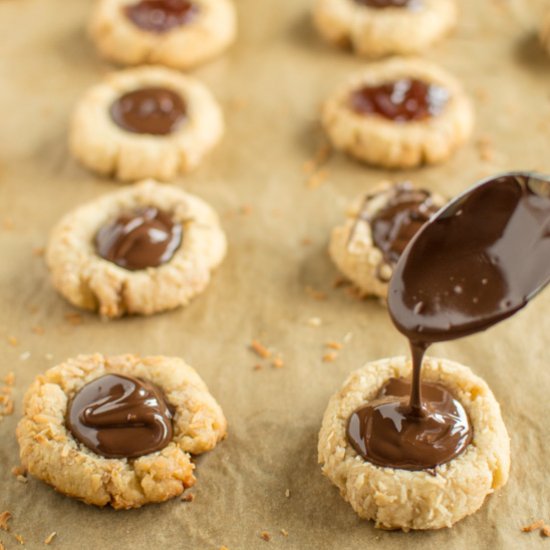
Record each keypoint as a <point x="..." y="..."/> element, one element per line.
<point x="4" y="519"/>
<point x="284" y="532"/>
<point x="278" y="363"/>
<point x="314" y="322"/>
<point x="19" y="539"/>
<point x="287" y="493"/>
<point x="7" y="406"/>
<point x="258" y="348"/>
<point x="13" y="341"/>
<point x="317" y="178"/>
<point x="485" y="149"/>
<point x="545" y="531"/>
<point x="264" y="535"/>
<point x="332" y="344"/>
<point x="340" y="281"/>
<point x="330" y="357"/>
<point x="189" y="497"/>
<point x="313" y="168"/>
<point x="316" y="294"/>
<point x="74" y="318"/>
<point x="539" y="524"/>
<point x="50" y="538"/>
<point x="19" y="471"/>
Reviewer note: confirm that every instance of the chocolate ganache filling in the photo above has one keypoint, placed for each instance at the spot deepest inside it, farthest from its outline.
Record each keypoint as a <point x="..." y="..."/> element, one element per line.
<point x="160" y="16"/>
<point x="384" y="435"/>
<point x="404" y="100"/>
<point x="155" y="111"/>
<point x="146" y="237"/>
<point x="393" y="227"/>
<point x="121" y="417"/>
<point x="477" y="262"/>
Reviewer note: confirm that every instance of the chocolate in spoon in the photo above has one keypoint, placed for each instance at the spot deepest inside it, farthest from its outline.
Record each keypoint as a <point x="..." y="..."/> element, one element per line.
<point x="478" y="261"/>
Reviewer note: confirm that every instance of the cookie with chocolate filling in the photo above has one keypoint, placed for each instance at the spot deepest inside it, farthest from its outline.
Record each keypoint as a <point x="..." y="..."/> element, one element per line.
<point x="118" y="431"/>
<point x="376" y="28"/>
<point x="419" y="482"/>
<point x="378" y="227"/>
<point x="177" y="33"/>
<point x="141" y="250"/>
<point x="149" y="122"/>
<point x="400" y="113"/>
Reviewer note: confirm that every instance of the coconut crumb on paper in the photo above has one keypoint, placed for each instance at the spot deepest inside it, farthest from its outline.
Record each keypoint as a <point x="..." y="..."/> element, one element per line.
<point x="259" y="349"/>
<point x="50" y="537"/>
<point x="314" y="167"/>
<point x="7" y="406"/>
<point x="333" y="344"/>
<point x="4" y="520"/>
<point x="19" y="471"/>
<point x="485" y="149"/>
<point x="340" y="282"/>
<point x="13" y="341"/>
<point x="74" y="318"/>
<point x="318" y="295"/>
<point x="539" y="524"/>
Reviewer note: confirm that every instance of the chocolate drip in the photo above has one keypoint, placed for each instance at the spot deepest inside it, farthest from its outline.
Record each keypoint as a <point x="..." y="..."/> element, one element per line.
<point x="388" y="433"/>
<point x="404" y="100"/>
<point x="400" y="219"/>
<point x="160" y="16"/>
<point x="155" y="111"/>
<point x="146" y="237"/>
<point x="120" y="417"/>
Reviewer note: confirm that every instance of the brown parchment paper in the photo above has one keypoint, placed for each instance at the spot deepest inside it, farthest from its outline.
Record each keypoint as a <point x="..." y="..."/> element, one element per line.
<point x="270" y="84"/>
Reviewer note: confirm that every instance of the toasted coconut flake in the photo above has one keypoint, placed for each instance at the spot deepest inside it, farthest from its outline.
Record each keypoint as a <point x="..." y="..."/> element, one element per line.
<point x="539" y="524"/>
<point x="258" y="348"/>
